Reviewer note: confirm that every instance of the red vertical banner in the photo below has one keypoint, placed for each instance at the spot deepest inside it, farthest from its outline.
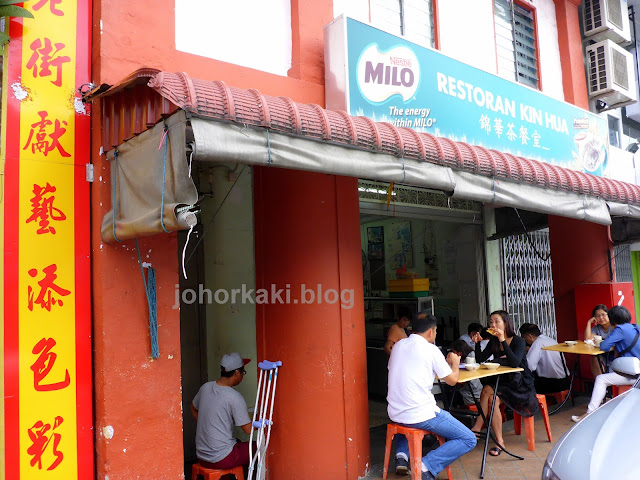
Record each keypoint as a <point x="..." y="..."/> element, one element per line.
<point x="46" y="343"/>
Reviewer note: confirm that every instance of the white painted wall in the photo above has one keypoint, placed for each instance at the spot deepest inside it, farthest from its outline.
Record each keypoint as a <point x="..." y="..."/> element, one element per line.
<point x="251" y="33"/>
<point x="229" y="263"/>
<point x="467" y="33"/>
<point x="550" y="65"/>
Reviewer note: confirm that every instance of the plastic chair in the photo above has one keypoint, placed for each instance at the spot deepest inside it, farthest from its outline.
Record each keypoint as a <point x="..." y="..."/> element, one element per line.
<point x="618" y="389"/>
<point x="215" y="474"/>
<point x="528" y="423"/>
<point x="414" y="436"/>
<point x="559" y="396"/>
<point x="473" y="408"/>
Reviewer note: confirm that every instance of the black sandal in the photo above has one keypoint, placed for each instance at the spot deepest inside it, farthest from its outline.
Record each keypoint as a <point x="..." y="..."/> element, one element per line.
<point x="495" y="451"/>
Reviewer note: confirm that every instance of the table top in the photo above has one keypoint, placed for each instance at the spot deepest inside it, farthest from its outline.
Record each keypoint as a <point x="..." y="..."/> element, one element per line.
<point x="580" y="348"/>
<point x="466" y="375"/>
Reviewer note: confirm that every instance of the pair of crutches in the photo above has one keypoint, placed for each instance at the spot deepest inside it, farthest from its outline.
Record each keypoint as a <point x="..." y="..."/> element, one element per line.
<point x="261" y="422"/>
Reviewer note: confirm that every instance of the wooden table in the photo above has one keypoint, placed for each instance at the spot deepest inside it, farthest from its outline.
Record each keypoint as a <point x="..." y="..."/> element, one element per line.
<point x="466" y="376"/>
<point x="579" y="348"/>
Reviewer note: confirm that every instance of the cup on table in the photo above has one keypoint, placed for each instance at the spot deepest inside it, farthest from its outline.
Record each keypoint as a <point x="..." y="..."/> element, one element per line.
<point x="470" y="359"/>
<point x="597" y="339"/>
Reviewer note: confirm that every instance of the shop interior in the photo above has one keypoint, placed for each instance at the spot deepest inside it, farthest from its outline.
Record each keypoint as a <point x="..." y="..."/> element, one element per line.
<point x="424" y="238"/>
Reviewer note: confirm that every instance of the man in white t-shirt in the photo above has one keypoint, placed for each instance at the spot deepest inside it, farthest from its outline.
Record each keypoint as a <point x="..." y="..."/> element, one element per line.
<point x="413" y="366"/>
<point x="549" y="368"/>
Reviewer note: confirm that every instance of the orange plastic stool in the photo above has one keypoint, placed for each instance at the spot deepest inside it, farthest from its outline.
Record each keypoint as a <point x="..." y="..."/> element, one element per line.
<point x="214" y="474"/>
<point x="414" y="436"/>
<point x="559" y="396"/>
<point x="618" y="389"/>
<point x="528" y="423"/>
<point x="473" y="408"/>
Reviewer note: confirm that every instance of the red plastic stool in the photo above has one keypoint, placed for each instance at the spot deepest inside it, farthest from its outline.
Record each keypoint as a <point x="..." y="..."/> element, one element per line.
<point x="528" y="423"/>
<point x="414" y="436"/>
<point x="618" y="389"/>
<point x="215" y="474"/>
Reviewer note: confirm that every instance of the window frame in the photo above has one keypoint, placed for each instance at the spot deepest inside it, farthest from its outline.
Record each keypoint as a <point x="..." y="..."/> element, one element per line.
<point x="534" y="14"/>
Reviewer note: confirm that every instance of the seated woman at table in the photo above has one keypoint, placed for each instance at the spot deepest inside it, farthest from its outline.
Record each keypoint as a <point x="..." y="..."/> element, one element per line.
<point x="598" y="324"/>
<point x="516" y="390"/>
<point x="625" y="338"/>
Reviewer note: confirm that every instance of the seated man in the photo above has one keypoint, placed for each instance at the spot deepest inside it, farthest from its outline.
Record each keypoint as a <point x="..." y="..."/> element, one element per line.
<point x="471" y="329"/>
<point x="625" y="338"/>
<point x="549" y="368"/>
<point x="217" y="408"/>
<point x="460" y="348"/>
<point x="415" y="361"/>
<point x="398" y="330"/>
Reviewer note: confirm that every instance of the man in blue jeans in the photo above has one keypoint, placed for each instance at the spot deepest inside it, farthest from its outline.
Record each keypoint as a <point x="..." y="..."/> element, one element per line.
<point x="413" y="366"/>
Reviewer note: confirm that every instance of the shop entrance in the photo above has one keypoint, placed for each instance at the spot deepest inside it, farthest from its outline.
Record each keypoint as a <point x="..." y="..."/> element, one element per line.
<point x="408" y="231"/>
<point x="218" y="259"/>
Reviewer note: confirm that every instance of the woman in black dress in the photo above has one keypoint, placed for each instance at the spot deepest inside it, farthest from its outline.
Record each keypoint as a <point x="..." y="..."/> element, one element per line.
<point x="515" y="389"/>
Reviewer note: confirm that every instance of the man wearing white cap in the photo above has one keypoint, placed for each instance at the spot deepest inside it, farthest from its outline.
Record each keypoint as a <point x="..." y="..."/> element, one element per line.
<point x="217" y="408"/>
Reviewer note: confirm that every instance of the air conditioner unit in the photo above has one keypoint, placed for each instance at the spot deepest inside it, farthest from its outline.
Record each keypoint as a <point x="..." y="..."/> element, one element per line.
<point x="606" y="19"/>
<point x="611" y="74"/>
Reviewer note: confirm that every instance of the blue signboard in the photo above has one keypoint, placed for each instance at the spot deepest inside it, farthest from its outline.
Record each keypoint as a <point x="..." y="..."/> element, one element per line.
<point x="393" y="80"/>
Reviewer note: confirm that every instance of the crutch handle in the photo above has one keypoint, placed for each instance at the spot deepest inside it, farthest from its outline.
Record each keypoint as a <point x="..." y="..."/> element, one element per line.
<point x="267" y="365"/>
<point x="261" y="423"/>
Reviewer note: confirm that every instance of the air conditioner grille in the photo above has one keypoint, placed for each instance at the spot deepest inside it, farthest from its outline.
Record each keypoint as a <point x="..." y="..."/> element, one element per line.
<point x="620" y="73"/>
<point x="597" y="70"/>
<point x="614" y="12"/>
<point x="593" y="15"/>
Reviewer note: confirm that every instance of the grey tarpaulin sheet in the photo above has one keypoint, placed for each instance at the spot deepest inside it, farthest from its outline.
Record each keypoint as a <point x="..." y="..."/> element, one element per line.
<point x="224" y="142"/>
<point x="139" y="178"/>
<point x="217" y="141"/>
<point x="499" y="192"/>
<point x="138" y="183"/>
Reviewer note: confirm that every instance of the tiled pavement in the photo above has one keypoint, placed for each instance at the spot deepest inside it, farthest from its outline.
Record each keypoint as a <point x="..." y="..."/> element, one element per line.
<point x="503" y="467"/>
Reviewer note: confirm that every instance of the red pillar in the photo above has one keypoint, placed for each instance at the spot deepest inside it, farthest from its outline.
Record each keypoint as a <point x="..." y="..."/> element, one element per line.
<point x="307" y="45"/>
<point x="138" y="416"/>
<point x="579" y="254"/>
<point x="307" y="232"/>
<point x="570" y="45"/>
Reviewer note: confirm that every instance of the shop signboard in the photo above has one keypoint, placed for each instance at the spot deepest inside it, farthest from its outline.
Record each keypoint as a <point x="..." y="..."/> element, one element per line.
<point x="389" y="79"/>
<point x="46" y="342"/>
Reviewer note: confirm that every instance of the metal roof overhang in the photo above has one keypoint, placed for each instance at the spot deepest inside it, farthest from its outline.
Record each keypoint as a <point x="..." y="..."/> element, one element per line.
<point x="241" y="125"/>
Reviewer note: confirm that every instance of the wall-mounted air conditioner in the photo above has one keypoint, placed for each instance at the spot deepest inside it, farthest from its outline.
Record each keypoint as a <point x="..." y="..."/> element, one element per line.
<point x="611" y="76"/>
<point x="606" y="19"/>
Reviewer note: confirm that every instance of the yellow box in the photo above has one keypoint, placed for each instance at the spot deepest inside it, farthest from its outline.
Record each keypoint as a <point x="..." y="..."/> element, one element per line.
<point x="409" y="285"/>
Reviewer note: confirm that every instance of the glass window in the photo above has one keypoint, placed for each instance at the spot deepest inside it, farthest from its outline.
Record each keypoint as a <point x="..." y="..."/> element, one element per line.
<point x="515" y="26"/>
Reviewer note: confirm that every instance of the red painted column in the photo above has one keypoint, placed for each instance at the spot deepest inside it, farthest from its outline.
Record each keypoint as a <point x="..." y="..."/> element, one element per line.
<point x="307" y="232"/>
<point x="138" y="416"/>
<point x="307" y="50"/>
<point x="578" y="255"/>
<point x="571" y="58"/>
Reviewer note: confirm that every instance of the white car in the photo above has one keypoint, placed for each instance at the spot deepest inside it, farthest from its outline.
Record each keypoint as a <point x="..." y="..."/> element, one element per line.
<point x="604" y="445"/>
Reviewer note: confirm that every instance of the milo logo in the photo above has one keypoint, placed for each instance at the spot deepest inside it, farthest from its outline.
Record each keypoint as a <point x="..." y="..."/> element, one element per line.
<point x="381" y="75"/>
